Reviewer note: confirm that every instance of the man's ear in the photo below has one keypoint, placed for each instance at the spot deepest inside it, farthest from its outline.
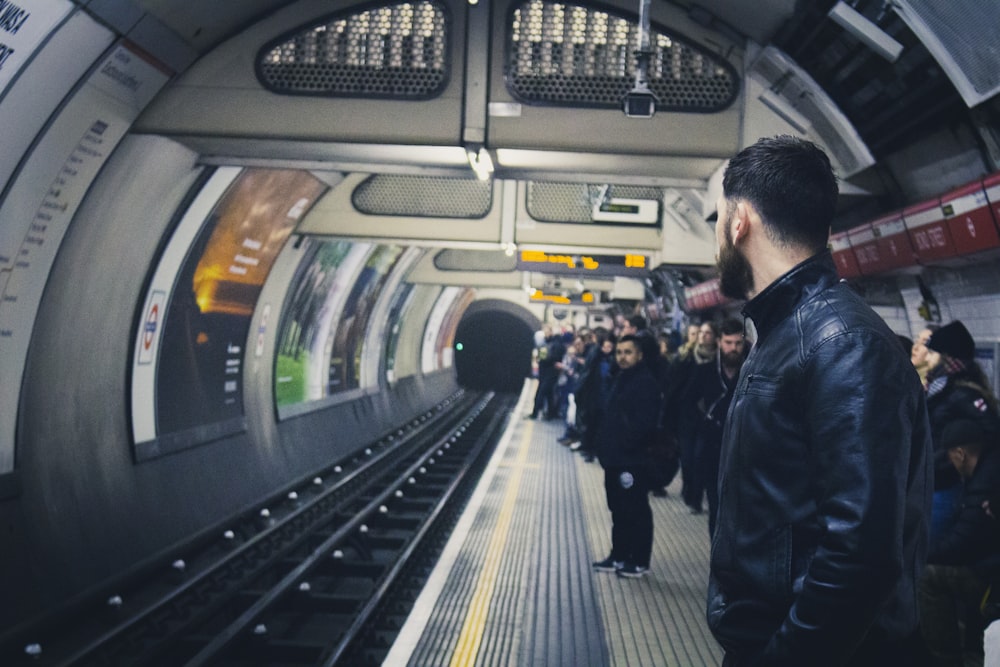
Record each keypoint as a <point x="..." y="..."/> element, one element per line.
<point x="745" y="220"/>
<point x="740" y="224"/>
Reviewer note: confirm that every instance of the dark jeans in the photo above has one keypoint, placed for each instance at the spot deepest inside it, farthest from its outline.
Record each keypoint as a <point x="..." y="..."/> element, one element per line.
<point x="949" y="597"/>
<point x="693" y="489"/>
<point x="631" y="517"/>
<point x="707" y="456"/>
<point x="545" y="396"/>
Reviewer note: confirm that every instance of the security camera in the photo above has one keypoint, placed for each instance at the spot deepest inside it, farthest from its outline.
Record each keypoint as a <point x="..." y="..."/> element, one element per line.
<point x="639" y="103"/>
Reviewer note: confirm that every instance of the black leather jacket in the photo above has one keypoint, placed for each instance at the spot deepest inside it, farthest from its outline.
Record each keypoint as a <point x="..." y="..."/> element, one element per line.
<point x="825" y="480"/>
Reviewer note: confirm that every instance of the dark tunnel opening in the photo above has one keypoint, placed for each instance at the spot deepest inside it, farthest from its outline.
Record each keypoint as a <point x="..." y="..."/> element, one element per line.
<point x="493" y="351"/>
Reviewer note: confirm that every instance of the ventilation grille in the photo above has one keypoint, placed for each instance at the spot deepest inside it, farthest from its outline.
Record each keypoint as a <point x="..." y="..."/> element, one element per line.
<point x="574" y="202"/>
<point x="423" y="196"/>
<point x="494" y="261"/>
<point x="957" y="33"/>
<point x="571" y="55"/>
<point x="396" y="51"/>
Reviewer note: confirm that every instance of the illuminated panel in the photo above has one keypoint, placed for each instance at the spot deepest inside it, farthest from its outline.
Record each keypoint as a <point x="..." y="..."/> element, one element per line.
<point x="402" y="301"/>
<point x="598" y="265"/>
<point x="439" y="332"/>
<point x="584" y="298"/>
<point x="444" y="348"/>
<point x="199" y="394"/>
<point x="345" y="357"/>
<point x="306" y="320"/>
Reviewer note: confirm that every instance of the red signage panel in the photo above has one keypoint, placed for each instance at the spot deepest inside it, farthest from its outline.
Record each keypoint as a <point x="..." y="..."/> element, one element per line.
<point x="991" y="185"/>
<point x="865" y="249"/>
<point x="970" y="220"/>
<point x="893" y="244"/>
<point x="928" y="231"/>
<point x="843" y="256"/>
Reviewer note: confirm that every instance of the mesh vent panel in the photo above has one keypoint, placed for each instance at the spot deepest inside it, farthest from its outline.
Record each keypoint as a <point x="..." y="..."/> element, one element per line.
<point x="574" y="202"/>
<point x="397" y="51"/>
<point x="496" y="261"/>
<point x="962" y="27"/>
<point x="570" y="55"/>
<point x="423" y="196"/>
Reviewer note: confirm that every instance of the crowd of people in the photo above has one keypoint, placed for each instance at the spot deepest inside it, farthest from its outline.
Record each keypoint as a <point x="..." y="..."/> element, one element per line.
<point x="852" y="483"/>
<point x="647" y="409"/>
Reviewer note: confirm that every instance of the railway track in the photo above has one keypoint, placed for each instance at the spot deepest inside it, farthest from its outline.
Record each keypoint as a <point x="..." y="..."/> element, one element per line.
<point x="323" y="575"/>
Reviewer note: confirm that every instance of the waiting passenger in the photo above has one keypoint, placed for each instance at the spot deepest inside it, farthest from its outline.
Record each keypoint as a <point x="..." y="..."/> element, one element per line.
<point x="573" y="364"/>
<point x="687" y="347"/>
<point x="709" y="394"/>
<point x="825" y="473"/>
<point x="549" y="365"/>
<point x="593" y="390"/>
<point x="686" y="421"/>
<point x="626" y="430"/>
<point x="918" y="353"/>
<point x="957" y="389"/>
<point x="963" y="560"/>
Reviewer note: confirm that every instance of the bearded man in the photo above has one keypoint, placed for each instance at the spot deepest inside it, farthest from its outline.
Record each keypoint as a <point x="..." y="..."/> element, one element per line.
<point x="825" y="472"/>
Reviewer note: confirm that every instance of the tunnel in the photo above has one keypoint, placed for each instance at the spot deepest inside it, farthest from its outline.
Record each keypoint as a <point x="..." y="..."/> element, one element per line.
<point x="493" y="348"/>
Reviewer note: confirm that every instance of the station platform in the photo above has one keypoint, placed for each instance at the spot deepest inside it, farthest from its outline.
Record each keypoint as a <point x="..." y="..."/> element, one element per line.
<point x="514" y="585"/>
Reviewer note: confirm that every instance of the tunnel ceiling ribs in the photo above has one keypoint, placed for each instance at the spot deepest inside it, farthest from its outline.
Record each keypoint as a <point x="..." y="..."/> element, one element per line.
<point x="398" y="51"/>
<point x="574" y="55"/>
<point x="892" y="105"/>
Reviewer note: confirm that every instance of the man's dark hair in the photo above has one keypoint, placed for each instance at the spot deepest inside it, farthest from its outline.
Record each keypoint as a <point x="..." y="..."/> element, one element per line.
<point x="637" y="321"/>
<point x="711" y="325"/>
<point x="791" y="184"/>
<point x="730" y="326"/>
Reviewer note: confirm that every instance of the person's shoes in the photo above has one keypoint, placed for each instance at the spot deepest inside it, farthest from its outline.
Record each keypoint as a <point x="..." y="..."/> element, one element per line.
<point x="632" y="571"/>
<point x="609" y="565"/>
<point x="531" y="416"/>
<point x="564" y="441"/>
<point x="575" y="445"/>
<point x="589" y="458"/>
<point x="696" y="510"/>
<point x="660" y="493"/>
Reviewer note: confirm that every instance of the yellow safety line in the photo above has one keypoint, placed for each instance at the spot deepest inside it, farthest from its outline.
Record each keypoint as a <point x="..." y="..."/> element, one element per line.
<point x="475" y="621"/>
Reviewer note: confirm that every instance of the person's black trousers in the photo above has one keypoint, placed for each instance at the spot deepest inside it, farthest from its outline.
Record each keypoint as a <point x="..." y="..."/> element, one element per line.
<point x="627" y="491"/>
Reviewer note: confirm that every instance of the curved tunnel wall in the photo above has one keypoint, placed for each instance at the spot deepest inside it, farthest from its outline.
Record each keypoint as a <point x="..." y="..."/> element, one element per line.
<point x="85" y="510"/>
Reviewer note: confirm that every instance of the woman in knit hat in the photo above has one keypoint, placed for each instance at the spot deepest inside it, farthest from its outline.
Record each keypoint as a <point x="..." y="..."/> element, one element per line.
<point x="957" y="389"/>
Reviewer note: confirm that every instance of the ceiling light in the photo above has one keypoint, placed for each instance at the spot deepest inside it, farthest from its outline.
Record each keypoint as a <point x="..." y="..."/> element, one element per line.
<point x="481" y="162"/>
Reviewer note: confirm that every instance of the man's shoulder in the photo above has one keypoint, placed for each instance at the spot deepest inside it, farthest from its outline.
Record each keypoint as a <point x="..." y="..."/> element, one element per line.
<point x="838" y="310"/>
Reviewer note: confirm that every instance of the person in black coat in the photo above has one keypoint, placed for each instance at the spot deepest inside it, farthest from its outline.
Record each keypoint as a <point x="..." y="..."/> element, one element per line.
<point x="626" y="430"/>
<point x="963" y="560"/>
<point x="956" y="389"/>
<point x="709" y="394"/>
<point x="825" y="475"/>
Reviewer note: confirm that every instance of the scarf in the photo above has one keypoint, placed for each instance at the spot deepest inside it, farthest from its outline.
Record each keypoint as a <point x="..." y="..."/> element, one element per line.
<point x="937" y="377"/>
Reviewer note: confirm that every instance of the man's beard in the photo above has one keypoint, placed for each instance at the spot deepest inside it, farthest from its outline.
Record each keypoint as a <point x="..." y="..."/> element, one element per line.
<point x="735" y="274"/>
<point x="732" y="360"/>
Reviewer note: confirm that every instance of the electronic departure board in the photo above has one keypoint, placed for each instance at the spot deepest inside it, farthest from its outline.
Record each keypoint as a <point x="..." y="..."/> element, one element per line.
<point x="594" y="265"/>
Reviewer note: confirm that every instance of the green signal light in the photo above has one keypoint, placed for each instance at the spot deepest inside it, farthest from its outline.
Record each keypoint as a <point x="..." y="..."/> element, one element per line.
<point x="459" y="347"/>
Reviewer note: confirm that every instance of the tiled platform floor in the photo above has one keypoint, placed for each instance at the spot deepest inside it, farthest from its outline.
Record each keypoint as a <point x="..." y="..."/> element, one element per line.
<point x="515" y="587"/>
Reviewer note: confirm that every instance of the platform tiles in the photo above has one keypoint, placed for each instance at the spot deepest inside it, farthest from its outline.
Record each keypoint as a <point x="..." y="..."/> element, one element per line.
<point x="514" y="586"/>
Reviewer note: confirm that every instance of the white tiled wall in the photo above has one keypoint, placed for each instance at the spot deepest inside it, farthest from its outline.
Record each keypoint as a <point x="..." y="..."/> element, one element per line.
<point x="970" y="294"/>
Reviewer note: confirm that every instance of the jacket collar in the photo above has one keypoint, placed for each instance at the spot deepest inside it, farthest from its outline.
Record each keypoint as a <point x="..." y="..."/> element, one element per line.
<point x="780" y="298"/>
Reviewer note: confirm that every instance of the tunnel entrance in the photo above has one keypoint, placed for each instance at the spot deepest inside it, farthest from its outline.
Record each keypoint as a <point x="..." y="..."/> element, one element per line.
<point x="493" y="351"/>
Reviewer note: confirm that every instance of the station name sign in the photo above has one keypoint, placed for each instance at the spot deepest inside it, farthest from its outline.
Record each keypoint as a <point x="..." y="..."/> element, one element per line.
<point x="601" y="265"/>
